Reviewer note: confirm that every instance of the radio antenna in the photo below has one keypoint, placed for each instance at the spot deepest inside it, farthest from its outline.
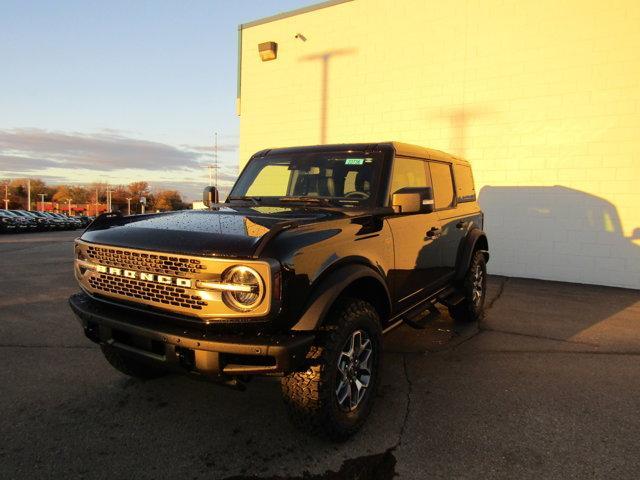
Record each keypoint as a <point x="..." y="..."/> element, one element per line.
<point x="215" y="155"/>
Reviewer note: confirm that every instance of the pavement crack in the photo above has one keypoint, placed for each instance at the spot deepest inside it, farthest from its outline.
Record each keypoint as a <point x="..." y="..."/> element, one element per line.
<point x="503" y="283"/>
<point x="408" y="407"/>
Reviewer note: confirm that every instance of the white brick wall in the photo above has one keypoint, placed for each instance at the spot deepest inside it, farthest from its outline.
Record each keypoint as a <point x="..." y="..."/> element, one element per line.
<point x="543" y="97"/>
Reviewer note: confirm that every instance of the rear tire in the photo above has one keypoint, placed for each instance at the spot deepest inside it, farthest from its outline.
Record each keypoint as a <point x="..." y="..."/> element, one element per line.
<point x="333" y="397"/>
<point x="130" y="366"/>
<point x="474" y="286"/>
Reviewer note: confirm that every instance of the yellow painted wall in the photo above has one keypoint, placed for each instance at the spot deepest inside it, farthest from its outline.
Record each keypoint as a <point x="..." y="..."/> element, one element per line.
<point x="542" y="97"/>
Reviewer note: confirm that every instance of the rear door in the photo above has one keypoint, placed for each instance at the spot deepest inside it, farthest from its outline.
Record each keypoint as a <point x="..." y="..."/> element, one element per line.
<point x="453" y="194"/>
<point x="416" y="251"/>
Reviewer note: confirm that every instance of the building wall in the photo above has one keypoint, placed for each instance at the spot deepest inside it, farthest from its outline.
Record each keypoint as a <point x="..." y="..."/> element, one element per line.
<point x="542" y="97"/>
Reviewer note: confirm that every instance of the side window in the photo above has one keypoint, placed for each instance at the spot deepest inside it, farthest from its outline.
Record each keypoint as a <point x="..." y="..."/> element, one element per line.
<point x="466" y="192"/>
<point x="442" y="184"/>
<point x="408" y="172"/>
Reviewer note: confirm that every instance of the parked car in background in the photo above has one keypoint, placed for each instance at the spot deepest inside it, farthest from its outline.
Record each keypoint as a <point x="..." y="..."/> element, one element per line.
<point x="66" y="225"/>
<point x="49" y="222"/>
<point x="77" y="222"/>
<point x="9" y="223"/>
<point x="85" y="220"/>
<point x="58" y="223"/>
<point x="22" y="223"/>
<point x="32" y="221"/>
<point x="74" y="222"/>
<point x="35" y="222"/>
<point x="32" y="225"/>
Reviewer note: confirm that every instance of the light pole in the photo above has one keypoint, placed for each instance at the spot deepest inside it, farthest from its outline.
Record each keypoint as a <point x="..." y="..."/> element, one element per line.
<point x="211" y="167"/>
<point x="69" y="203"/>
<point x="215" y="155"/>
<point x="128" y="206"/>
<point x="109" y="209"/>
<point x="28" y="194"/>
<point x="41" y="202"/>
<point x="6" y="196"/>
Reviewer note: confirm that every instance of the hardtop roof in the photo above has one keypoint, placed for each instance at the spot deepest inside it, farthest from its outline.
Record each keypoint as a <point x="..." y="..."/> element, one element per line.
<point x="404" y="149"/>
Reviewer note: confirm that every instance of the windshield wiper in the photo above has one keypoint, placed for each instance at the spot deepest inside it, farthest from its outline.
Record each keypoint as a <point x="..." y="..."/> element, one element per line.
<point x="254" y="200"/>
<point x="302" y="199"/>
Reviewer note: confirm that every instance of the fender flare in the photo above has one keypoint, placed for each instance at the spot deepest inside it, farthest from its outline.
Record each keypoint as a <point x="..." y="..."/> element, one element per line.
<point x="466" y="249"/>
<point x="329" y="288"/>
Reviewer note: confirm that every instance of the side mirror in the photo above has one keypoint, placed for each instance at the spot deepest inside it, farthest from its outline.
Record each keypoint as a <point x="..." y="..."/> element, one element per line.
<point x="413" y="200"/>
<point x="210" y="196"/>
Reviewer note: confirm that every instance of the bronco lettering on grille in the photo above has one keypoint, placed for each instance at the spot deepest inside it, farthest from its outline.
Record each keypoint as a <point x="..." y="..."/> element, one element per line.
<point x="147" y="277"/>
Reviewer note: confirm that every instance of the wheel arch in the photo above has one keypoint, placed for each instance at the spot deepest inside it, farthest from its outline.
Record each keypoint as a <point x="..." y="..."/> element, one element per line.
<point x="476" y="239"/>
<point x="354" y="280"/>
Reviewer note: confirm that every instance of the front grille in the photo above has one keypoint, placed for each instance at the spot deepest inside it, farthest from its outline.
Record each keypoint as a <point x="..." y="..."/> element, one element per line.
<point x="145" y="262"/>
<point x="137" y="279"/>
<point x="151" y="292"/>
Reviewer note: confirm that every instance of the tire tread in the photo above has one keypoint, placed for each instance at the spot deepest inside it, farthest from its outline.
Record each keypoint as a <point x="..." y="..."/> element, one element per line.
<point x="307" y="394"/>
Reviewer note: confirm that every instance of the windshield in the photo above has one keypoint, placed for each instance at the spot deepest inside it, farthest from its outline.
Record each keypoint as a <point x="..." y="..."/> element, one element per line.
<point x="344" y="179"/>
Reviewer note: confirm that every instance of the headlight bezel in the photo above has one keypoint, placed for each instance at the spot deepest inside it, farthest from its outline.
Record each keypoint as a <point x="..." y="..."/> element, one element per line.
<point x="229" y="297"/>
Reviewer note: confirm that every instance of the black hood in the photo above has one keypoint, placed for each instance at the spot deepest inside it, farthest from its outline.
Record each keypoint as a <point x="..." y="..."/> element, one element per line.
<point x="228" y="231"/>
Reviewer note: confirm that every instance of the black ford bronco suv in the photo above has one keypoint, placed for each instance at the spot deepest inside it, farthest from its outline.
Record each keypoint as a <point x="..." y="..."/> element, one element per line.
<point x="315" y="254"/>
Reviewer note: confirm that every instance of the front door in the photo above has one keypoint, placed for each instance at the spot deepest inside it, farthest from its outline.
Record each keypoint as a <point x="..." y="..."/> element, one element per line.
<point x="415" y="238"/>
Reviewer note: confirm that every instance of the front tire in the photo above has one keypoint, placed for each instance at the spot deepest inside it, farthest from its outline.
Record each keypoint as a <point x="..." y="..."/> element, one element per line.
<point x="474" y="287"/>
<point x="333" y="397"/>
<point x="130" y="366"/>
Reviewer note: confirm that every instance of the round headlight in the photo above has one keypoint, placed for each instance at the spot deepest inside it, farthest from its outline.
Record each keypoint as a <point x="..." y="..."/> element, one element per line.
<point x="246" y="298"/>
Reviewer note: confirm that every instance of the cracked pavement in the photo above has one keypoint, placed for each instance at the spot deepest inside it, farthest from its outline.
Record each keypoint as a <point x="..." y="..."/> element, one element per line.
<point x="546" y="387"/>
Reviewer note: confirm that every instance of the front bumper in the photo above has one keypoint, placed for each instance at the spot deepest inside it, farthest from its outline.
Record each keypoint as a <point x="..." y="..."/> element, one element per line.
<point x="149" y="338"/>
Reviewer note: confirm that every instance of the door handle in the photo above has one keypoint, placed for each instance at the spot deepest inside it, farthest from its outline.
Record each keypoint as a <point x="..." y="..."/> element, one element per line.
<point x="434" y="232"/>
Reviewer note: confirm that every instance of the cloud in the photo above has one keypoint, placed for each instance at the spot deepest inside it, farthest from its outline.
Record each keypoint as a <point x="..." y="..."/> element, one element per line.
<point x="24" y="164"/>
<point x="30" y="149"/>
<point x="112" y="156"/>
<point x="49" y="179"/>
<point x="227" y="147"/>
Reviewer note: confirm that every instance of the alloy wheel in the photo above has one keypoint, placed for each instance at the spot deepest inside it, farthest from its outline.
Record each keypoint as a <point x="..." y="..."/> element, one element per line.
<point x="354" y="370"/>
<point x="477" y="285"/>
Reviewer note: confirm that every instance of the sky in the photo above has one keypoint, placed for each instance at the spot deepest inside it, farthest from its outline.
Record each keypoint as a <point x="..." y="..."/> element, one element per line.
<point x="121" y="91"/>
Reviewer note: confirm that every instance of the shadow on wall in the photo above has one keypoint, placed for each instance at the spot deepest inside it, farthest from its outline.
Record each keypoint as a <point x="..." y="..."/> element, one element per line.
<point x="558" y="233"/>
<point x="460" y="120"/>
<point x="324" y="59"/>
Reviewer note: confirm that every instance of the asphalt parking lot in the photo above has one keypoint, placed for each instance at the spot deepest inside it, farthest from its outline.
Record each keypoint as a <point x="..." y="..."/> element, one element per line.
<point x="547" y="387"/>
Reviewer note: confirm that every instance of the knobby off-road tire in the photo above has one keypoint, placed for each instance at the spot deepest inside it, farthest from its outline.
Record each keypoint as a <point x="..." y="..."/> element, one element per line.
<point x="316" y="399"/>
<point x="130" y="366"/>
<point x="474" y="287"/>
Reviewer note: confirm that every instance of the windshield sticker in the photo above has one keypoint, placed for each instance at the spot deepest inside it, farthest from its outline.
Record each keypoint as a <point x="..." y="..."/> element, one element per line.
<point x="354" y="161"/>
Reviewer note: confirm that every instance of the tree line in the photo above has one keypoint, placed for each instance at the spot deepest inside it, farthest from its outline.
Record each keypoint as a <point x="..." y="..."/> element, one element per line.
<point x="158" y="199"/>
